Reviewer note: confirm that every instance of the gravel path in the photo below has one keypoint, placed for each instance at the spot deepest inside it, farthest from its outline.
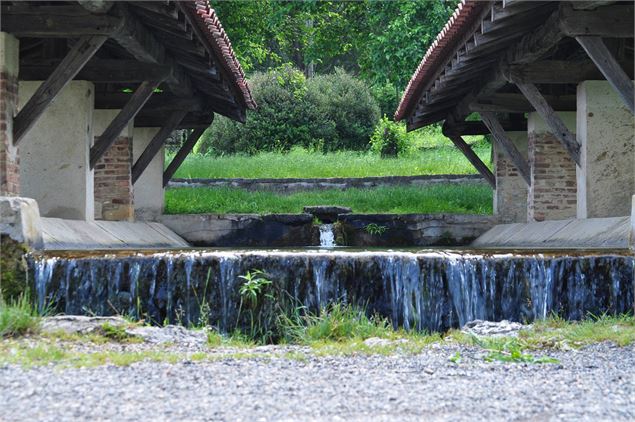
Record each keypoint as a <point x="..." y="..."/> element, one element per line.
<point x="596" y="383"/>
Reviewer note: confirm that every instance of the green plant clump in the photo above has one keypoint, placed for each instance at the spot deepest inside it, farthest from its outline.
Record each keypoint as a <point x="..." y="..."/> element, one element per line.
<point x="18" y="317"/>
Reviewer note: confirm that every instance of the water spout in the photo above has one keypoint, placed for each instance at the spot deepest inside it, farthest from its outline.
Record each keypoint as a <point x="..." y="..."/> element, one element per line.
<point x="327" y="236"/>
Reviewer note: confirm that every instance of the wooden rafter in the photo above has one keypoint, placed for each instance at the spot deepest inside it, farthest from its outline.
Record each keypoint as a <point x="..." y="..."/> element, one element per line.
<point x="554" y="122"/>
<point x="610" y="68"/>
<point x="97" y="70"/>
<point x="180" y="156"/>
<point x="558" y="71"/>
<point x="123" y="118"/>
<point x="506" y="144"/>
<point x="608" y="21"/>
<point x="156" y="143"/>
<point x="76" y="58"/>
<point x="517" y="103"/>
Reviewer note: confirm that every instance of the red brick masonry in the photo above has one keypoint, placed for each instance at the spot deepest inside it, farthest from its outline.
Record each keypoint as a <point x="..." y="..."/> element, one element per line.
<point x="113" y="182"/>
<point x="9" y="156"/>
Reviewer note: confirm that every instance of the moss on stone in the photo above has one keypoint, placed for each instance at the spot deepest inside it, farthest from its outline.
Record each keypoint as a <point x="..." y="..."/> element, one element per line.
<point x="13" y="269"/>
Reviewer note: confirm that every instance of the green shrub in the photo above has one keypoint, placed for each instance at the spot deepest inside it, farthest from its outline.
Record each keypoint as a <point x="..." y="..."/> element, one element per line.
<point x="387" y="97"/>
<point x="348" y="103"/>
<point x="325" y="113"/>
<point x="390" y="139"/>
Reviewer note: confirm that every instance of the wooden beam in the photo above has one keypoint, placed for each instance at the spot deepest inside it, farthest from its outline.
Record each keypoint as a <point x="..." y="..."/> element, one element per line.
<point x="610" y="68"/>
<point x="517" y="103"/>
<point x="479" y="128"/>
<point x="123" y="118"/>
<point x="96" y="6"/>
<point x="156" y="143"/>
<point x="506" y="144"/>
<point x="98" y="70"/>
<point x="558" y="71"/>
<point x="141" y="43"/>
<point x="57" y="21"/>
<point x="181" y="155"/>
<point x="76" y="58"/>
<point x="159" y="103"/>
<point x="473" y="158"/>
<point x="557" y="126"/>
<point x="609" y="21"/>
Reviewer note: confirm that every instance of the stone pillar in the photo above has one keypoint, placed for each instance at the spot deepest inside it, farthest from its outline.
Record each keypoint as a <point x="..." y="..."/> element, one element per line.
<point x="552" y="194"/>
<point x="54" y="154"/>
<point x="113" y="176"/>
<point x="148" y="190"/>
<point x="606" y="133"/>
<point x="9" y="156"/>
<point x="510" y="196"/>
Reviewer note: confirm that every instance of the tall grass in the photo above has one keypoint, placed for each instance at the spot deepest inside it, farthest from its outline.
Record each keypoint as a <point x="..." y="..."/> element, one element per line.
<point x="300" y="163"/>
<point x="457" y="199"/>
<point x="18" y="317"/>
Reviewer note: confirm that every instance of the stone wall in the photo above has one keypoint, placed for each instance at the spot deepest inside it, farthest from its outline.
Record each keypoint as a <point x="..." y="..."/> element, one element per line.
<point x="510" y="196"/>
<point x="552" y="194"/>
<point x="148" y="189"/>
<point x="9" y="156"/>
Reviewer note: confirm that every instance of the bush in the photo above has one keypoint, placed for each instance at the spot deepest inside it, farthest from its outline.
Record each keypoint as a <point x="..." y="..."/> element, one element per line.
<point x="390" y="139"/>
<point x="324" y="113"/>
<point x="348" y="103"/>
<point x="387" y="97"/>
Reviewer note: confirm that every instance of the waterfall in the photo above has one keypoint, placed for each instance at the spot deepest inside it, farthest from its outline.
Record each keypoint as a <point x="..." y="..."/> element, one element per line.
<point x="427" y="290"/>
<point x="327" y="236"/>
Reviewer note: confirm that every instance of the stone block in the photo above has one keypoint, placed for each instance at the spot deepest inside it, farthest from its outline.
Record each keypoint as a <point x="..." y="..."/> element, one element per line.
<point x="20" y="220"/>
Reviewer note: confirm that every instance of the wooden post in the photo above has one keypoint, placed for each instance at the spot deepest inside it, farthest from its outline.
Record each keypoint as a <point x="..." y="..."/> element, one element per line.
<point x="458" y="141"/>
<point x="81" y="52"/>
<point x="555" y="123"/>
<point x="507" y="145"/>
<point x="155" y="144"/>
<point x="180" y="156"/>
<point x="610" y="68"/>
<point x="127" y="113"/>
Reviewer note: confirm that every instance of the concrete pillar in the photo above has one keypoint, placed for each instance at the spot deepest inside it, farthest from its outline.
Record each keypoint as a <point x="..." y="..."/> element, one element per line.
<point x="54" y="154"/>
<point x="552" y="194"/>
<point x="113" y="176"/>
<point x="510" y="196"/>
<point x="148" y="190"/>
<point x="9" y="155"/>
<point x="606" y="133"/>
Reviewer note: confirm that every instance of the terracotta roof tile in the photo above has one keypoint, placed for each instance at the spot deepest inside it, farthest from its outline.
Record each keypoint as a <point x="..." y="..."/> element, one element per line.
<point x="208" y="21"/>
<point x="452" y="32"/>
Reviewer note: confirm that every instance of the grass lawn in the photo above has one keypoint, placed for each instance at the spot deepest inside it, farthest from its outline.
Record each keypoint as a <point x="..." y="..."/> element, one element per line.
<point x="443" y="159"/>
<point x="456" y="199"/>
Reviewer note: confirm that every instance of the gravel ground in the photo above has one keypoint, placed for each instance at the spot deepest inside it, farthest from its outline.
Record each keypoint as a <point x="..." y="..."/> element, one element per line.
<point x="595" y="383"/>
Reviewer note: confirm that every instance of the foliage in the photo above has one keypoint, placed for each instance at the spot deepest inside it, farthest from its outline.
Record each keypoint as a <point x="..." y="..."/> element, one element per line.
<point x="348" y="103"/>
<point x="387" y="96"/>
<point x="18" y="317"/>
<point x="389" y="139"/>
<point x="328" y="112"/>
<point x="457" y="199"/>
<point x="336" y="322"/>
<point x="383" y="41"/>
<point x="375" y="229"/>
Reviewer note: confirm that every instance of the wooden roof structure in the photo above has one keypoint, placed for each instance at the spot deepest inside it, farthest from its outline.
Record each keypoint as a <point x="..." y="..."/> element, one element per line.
<point x="503" y="59"/>
<point x="166" y="64"/>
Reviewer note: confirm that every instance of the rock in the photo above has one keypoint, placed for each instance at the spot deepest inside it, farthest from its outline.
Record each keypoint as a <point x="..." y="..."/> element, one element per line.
<point x="20" y="220"/>
<point x="175" y="334"/>
<point x="376" y="341"/>
<point x="326" y="213"/>
<point x="79" y="324"/>
<point x="502" y="328"/>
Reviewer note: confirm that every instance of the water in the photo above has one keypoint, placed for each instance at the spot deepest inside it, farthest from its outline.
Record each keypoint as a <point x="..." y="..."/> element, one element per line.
<point x="425" y="290"/>
<point x="327" y="236"/>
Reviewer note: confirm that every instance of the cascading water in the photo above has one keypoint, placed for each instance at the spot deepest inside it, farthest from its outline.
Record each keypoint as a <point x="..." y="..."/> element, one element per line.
<point x="423" y="290"/>
<point x="327" y="236"/>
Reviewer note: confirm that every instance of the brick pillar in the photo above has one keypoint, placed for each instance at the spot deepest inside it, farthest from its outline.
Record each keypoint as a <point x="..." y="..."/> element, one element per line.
<point x="113" y="177"/>
<point x="148" y="190"/>
<point x="552" y="194"/>
<point x="9" y="155"/>
<point x="606" y="133"/>
<point x="510" y="196"/>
